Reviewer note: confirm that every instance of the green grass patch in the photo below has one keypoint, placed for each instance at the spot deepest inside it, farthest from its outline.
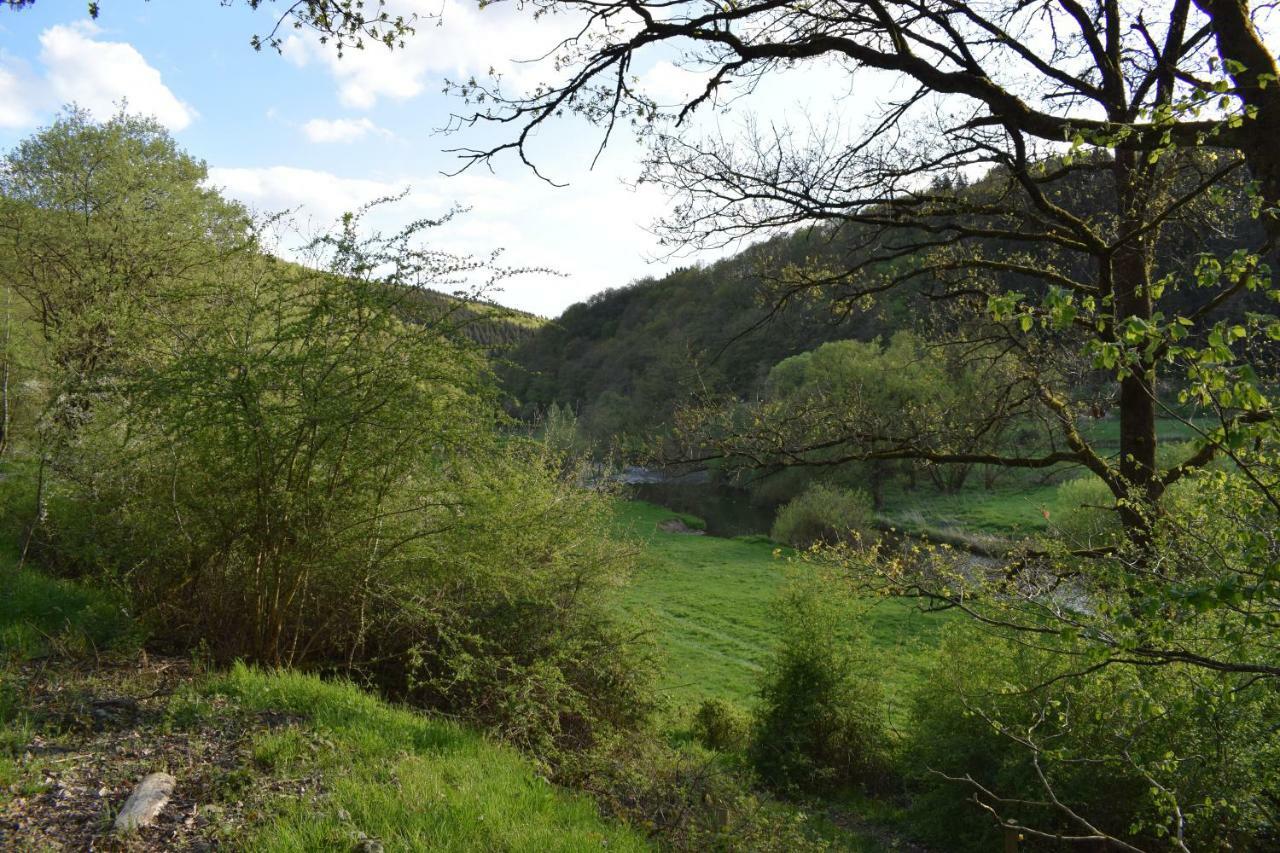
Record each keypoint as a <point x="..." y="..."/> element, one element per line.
<point x="1009" y="511"/>
<point x="708" y="601"/>
<point x="1104" y="434"/>
<point x="40" y="615"/>
<point x="1020" y="503"/>
<point x="15" y="733"/>
<point x="409" y="781"/>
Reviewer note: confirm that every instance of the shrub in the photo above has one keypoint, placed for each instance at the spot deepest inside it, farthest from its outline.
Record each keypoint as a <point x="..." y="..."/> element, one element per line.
<point x="254" y="488"/>
<point x="512" y="623"/>
<point x="562" y="435"/>
<point x="820" y="721"/>
<point x="721" y="725"/>
<point x="1085" y="516"/>
<point x="824" y="513"/>
<point x="303" y="478"/>
<point x="1124" y="746"/>
<point x="688" y="799"/>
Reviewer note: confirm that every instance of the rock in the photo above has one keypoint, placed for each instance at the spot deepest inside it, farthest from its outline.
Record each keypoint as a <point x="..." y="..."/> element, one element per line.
<point x="145" y="803"/>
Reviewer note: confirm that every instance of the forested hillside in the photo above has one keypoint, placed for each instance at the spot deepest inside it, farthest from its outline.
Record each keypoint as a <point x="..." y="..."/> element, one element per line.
<point x="625" y="358"/>
<point x="628" y="357"/>
<point x="488" y="324"/>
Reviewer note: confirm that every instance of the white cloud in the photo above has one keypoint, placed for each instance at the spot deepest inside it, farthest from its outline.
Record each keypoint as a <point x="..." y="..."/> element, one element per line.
<point x="593" y="233"/>
<point x="294" y="50"/>
<point x="96" y="74"/>
<point x="19" y="94"/>
<point x="669" y="84"/>
<point x="320" y="195"/>
<point x="99" y="74"/>
<point x="454" y="39"/>
<point x="341" y="129"/>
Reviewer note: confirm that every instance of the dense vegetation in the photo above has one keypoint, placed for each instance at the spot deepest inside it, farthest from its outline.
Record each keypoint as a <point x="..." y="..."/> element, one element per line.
<point x="205" y="440"/>
<point x="492" y="326"/>
<point x="224" y="437"/>
<point x="628" y="357"/>
<point x="1043" y="279"/>
<point x="310" y="757"/>
<point x="1093" y="334"/>
<point x="224" y="456"/>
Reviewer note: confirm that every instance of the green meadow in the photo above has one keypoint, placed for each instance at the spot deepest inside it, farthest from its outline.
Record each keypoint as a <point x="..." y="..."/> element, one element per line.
<point x="707" y="601"/>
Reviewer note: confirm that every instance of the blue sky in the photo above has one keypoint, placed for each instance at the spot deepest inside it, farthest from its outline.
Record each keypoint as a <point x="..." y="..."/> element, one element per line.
<point x="306" y="130"/>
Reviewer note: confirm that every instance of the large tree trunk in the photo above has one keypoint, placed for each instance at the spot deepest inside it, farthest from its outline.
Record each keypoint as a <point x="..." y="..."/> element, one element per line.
<point x="1255" y="76"/>
<point x="1130" y="280"/>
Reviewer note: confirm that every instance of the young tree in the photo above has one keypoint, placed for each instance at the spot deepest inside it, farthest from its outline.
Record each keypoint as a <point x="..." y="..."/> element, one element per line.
<point x="853" y="401"/>
<point x="102" y="224"/>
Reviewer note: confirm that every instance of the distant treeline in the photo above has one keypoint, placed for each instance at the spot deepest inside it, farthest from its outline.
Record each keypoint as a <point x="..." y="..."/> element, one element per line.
<point x="625" y="359"/>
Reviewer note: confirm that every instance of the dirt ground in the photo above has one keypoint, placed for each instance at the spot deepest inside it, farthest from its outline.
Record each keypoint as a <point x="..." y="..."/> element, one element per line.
<point x="87" y="732"/>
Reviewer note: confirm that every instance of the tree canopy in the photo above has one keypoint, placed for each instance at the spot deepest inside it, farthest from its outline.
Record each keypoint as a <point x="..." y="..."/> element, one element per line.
<point x="1101" y="130"/>
<point x="102" y="225"/>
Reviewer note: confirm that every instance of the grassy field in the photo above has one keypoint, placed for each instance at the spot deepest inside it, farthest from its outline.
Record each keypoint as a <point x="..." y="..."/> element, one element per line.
<point x="708" y="598"/>
<point x="708" y="601"/>
<point x="1019" y="503"/>
<point x="1010" y="511"/>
